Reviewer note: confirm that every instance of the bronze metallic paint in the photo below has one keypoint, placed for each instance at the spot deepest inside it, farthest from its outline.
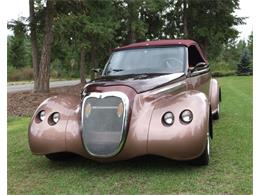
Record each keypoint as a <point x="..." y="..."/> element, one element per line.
<point x="214" y="95"/>
<point x="146" y="133"/>
<point x="139" y="83"/>
<point x="179" y="141"/>
<point x="150" y="96"/>
<point x="44" y="138"/>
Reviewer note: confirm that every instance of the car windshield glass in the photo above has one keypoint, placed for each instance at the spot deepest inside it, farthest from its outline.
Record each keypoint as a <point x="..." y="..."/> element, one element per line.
<point x="146" y="61"/>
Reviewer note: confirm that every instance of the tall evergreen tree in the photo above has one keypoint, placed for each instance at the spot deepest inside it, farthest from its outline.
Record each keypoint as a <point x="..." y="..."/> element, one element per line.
<point x="90" y="27"/>
<point x="16" y="44"/>
<point x="209" y="22"/>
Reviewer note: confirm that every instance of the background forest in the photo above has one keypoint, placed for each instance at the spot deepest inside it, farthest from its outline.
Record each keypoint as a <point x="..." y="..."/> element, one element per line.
<point x="66" y="39"/>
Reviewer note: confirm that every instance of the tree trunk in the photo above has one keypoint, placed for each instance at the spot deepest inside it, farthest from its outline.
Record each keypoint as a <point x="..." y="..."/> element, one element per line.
<point x="132" y="17"/>
<point x="82" y="65"/>
<point x="34" y="45"/>
<point x="185" y="22"/>
<point x="44" y="67"/>
<point x="93" y="59"/>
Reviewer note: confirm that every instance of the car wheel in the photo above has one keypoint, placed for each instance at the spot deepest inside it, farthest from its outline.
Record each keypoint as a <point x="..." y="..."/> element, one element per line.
<point x="215" y="116"/>
<point x="61" y="156"/>
<point x="204" y="158"/>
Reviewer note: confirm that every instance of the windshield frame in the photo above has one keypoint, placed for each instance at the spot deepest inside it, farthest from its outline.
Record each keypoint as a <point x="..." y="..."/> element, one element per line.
<point x="185" y="58"/>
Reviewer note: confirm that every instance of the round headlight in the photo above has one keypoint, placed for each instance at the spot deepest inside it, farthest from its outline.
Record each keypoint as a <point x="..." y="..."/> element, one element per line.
<point x="42" y="115"/>
<point x="186" y="116"/>
<point x="168" y="118"/>
<point x="56" y="117"/>
<point x="120" y="110"/>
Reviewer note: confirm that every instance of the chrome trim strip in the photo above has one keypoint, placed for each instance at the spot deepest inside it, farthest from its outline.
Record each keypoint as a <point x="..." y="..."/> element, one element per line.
<point x="125" y="101"/>
<point x="104" y="107"/>
<point x="199" y="72"/>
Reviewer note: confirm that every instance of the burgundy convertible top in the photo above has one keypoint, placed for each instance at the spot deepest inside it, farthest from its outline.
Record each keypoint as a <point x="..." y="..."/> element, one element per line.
<point x="185" y="42"/>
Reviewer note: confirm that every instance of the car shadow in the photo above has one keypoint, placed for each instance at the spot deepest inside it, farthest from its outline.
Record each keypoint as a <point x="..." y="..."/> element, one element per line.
<point x="143" y="163"/>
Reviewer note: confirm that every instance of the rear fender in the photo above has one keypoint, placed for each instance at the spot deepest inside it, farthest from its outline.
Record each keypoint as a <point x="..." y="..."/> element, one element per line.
<point x="214" y="95"/>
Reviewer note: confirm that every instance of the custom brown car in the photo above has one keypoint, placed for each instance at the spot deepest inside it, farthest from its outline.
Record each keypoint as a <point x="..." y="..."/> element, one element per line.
<point x="155" y="98"/>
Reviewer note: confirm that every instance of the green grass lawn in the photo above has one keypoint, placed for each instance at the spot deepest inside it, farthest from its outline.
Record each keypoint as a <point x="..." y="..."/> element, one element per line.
<point x="230" y="169"/>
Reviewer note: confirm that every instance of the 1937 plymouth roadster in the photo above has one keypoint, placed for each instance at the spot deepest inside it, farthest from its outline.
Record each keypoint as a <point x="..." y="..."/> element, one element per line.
<point x="153" y="97"/>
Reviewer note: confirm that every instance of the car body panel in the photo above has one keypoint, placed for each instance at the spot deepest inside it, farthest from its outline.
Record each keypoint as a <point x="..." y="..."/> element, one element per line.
<point x="214" y="95"/>
<point x="179" y="141"/>
<point x="45" y="137"/>
<point x="140" y="83"/>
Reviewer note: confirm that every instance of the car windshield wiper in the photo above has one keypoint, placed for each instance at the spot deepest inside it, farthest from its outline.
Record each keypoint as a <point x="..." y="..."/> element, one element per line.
<point x="116" y="70"/>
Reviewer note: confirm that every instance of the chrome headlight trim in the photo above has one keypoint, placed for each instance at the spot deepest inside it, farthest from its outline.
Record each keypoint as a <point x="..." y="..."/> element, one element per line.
<point x="168" y="118"/>
<point x="186" y="116"/>
<point x="42" y="115"/>
<point x="56" y="117"/>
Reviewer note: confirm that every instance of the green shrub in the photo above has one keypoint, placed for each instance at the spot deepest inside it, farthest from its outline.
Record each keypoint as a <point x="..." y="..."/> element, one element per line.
<point x="26" y="74"/>
<point x="223" y="73"/>
<point x="21" y="74"/>
<point x="222" y="66"/>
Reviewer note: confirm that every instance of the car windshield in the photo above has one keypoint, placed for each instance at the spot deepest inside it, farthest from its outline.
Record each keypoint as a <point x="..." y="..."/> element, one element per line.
<point x="146" y="60"/>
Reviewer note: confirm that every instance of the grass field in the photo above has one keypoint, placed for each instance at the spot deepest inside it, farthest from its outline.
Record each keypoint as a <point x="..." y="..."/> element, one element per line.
<point x="229" y="172"/>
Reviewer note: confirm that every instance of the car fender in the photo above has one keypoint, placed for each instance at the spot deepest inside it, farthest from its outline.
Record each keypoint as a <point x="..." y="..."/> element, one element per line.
<point x="179" y="141"/>
<point x="214" y="95"/>
<point x="65" y="136"/>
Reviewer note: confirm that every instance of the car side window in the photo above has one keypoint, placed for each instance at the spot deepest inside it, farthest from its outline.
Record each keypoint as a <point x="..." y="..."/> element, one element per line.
<point x="194" y="56"/>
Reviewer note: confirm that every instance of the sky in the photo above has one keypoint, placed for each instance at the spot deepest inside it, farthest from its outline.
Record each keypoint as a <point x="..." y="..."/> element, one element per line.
<point x="246" y="10"/>
<point x="21" y="8"/>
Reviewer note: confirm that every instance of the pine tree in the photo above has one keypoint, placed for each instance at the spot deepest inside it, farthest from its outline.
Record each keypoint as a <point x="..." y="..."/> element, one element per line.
<point x="16" y="44"/>
<point x="243" y="67"/>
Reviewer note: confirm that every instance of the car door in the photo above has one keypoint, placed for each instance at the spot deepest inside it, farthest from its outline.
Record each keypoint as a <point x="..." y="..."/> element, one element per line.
<point x="198" y="74"/>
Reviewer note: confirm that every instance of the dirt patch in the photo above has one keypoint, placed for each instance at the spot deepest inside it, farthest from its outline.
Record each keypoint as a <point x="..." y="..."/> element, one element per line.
<point x="25" y="103"/>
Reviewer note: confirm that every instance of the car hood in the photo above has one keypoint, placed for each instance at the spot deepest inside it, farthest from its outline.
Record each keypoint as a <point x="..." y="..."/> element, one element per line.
<point x="139" y="82"/>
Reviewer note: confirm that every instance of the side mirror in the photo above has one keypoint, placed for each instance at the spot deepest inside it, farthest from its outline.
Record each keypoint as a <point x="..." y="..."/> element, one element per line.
<point x="191" y="69"/>
<point x="96" y="70"/>
<point x="198" y="67"/>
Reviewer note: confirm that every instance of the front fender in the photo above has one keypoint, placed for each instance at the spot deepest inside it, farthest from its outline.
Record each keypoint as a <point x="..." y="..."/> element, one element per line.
<point x="179" y="141"/>
<point x="46" y="138"/>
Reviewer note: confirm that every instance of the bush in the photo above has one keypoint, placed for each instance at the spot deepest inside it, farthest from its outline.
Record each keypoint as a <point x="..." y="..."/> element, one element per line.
<point x="21" y="74"/>
<point x="26" y="74"/>
<point x="221" y="66"/>
<point x="223" y="73"/>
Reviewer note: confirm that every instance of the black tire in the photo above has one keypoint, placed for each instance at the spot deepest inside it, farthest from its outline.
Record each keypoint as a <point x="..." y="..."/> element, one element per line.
<point x="204" y="158"/>
<point x="61" y="156"/>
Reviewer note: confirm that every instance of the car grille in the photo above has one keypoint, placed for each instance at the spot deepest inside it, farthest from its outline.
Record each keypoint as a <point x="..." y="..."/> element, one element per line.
<point x="104" y="121"/>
